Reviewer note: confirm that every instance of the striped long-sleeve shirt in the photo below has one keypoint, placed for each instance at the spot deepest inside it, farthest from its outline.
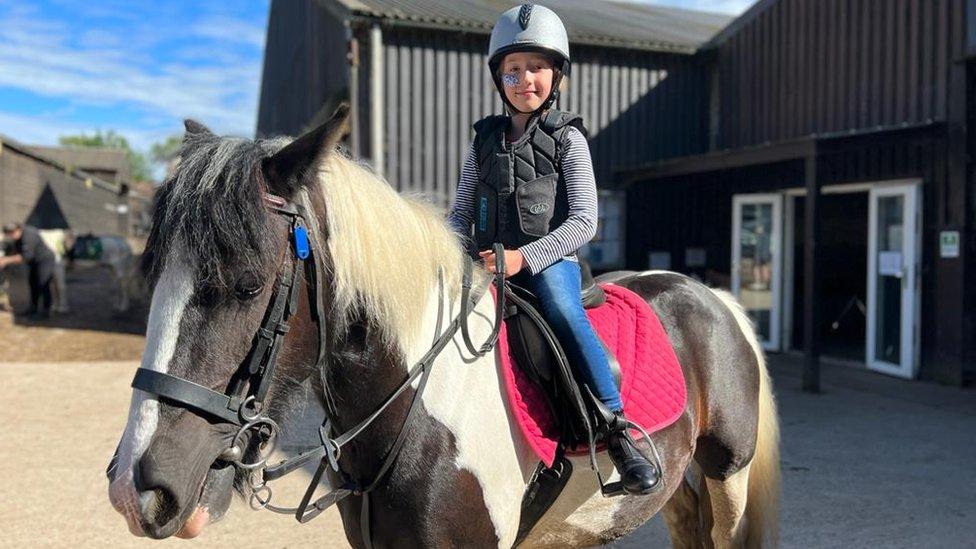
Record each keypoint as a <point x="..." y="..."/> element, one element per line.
<point x="562" y="241"/>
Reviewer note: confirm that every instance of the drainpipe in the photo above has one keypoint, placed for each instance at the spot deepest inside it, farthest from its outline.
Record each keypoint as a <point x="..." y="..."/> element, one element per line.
<point x="353" y="58"/>
<point x="377" y="70"/>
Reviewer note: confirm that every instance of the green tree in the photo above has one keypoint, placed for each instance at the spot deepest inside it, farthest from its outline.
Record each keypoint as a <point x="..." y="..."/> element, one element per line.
<point x="165" y="151"/>
<point x="138" y="163"/>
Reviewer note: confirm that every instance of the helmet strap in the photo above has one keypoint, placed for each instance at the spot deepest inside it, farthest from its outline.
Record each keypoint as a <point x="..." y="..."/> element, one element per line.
<point x="557" y="79"/>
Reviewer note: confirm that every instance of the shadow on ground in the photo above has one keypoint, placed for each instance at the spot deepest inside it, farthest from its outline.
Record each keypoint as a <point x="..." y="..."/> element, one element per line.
<point x="92" y="299"/>
<point x="872" y="461"/>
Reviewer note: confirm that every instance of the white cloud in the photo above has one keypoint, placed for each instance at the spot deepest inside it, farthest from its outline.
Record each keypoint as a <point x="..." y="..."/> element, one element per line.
<point x="734" y="7"/>
<point x="724" y="6"/>
<point x="227" y="29"/>
<point x="102" y="68"/>
<point x="45" y="130"/>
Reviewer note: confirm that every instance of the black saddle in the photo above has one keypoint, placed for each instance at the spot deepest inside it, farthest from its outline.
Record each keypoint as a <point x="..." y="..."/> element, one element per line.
<point x="538" y="352"/>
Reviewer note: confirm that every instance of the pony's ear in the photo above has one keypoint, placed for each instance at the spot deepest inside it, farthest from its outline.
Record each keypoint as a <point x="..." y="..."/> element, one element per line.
<point x="195" y="128"/>
<point x="286" y="171"/>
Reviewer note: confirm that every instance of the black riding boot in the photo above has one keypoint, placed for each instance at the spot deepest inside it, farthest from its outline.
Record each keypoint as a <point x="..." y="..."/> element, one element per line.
<point x="637" y="474"/>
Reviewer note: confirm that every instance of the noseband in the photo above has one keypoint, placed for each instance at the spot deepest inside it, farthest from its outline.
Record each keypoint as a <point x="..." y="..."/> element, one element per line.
<point x="243" y="403"/>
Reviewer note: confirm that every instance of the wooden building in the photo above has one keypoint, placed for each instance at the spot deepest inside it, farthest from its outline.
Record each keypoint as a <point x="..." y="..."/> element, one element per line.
<point x="837" y="193"/>
<point x="85" y="190"/>
<point x="417" y="77"/>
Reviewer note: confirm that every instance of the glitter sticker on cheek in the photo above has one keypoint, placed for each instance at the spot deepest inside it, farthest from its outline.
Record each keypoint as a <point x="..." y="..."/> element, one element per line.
<point x="510" y="80"/>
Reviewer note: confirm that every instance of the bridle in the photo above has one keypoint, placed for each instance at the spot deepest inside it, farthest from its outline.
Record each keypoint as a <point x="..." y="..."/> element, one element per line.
<point x="243" y="403"/>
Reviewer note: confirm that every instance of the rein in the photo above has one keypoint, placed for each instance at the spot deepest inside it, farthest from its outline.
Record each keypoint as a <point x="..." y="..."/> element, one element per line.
<point x="243" y="403"/>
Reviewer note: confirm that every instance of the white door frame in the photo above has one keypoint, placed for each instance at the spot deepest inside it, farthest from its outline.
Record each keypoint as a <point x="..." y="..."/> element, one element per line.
<point x="789" y="214"/>
<point x="910" y="295"/>
<point x="789" y="241"/>
<point x="775" y="241"/>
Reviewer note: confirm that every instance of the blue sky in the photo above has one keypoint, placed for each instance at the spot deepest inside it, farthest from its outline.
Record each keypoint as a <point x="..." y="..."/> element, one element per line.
<point x="140" y="67"/>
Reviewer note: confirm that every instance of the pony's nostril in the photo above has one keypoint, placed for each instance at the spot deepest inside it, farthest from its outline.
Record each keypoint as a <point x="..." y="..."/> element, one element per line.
<point x="147" y="503"/>
<point x="157" y="507"/>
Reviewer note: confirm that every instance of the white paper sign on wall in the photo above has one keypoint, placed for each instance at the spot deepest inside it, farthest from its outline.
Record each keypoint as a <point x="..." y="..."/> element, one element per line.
<point x="949" y="244"/>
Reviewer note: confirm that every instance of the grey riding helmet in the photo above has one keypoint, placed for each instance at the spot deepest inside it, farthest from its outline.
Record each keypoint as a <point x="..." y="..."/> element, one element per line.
<point x="529" y="27"/>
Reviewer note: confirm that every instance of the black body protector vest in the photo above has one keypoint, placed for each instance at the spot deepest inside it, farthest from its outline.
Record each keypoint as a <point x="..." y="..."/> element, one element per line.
<point x="520" y="196"/>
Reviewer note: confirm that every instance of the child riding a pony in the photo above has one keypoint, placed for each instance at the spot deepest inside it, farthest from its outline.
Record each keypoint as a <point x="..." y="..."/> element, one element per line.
<point x="528" y="184"/>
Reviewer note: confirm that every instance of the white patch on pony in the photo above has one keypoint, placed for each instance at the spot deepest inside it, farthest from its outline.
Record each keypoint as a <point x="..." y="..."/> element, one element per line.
<point x="580" y="515"/>
<point x="467" y="396"/>
<point x="172" y="293"/>
<point x="728" y="498"/>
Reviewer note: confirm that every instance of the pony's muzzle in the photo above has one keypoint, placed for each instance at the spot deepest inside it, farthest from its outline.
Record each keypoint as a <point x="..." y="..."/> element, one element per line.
<point x="159" y="501"/>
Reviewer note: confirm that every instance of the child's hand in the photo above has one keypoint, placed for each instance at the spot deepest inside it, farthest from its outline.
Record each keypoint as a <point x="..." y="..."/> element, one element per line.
<point x="513" y="261"/>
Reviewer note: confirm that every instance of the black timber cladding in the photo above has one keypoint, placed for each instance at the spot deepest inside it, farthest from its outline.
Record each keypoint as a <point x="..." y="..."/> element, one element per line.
<point x="668" y="214"/>
<point x="797" y="67"/>
<point x="878" y="91"/>
<point x="639" y="105"/>
<point x="305" y="67"/>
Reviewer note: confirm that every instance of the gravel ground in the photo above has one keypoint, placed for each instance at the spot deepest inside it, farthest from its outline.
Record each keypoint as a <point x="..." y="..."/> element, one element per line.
<point x="62" y="422"/>
<point x="871" y="462"/>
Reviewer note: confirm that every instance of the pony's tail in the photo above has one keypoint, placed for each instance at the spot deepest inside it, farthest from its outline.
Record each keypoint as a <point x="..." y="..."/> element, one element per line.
<point x="762" y="505"/>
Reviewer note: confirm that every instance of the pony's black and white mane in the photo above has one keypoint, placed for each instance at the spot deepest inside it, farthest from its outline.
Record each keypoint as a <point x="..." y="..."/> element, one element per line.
<point x="385" y="249"/>
<point x="211" y="207"/>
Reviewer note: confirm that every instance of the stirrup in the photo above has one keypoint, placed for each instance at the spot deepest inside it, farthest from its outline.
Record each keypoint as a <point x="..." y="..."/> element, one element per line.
<point x="622" y="431"/>
<point x="610" y="422"/>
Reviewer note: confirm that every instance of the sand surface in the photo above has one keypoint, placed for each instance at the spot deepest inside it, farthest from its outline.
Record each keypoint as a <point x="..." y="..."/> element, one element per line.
<point x="61" y="423"/>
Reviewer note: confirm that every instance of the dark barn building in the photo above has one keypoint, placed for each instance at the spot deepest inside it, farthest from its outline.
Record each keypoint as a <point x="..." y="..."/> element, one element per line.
<point x="416" y="75"/>
<point x="837" y="195"/>
<point x="85" y="190"/>
<point x="811" y="155"/>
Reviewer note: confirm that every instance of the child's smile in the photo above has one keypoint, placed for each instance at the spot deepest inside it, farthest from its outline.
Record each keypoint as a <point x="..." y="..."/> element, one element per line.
<point x="527" y="79"/>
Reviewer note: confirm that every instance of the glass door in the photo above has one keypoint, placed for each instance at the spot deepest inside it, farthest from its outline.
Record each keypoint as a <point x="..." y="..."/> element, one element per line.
<point x="893" y="280"/>
<point x="757" y="262"/>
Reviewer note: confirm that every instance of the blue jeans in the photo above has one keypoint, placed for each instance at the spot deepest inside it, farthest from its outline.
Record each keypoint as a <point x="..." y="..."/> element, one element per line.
<point x="558" y="290"/>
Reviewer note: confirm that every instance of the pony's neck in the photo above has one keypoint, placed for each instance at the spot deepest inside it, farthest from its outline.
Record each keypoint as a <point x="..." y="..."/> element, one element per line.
<point x="362" y="373"/>
<point x="385" y="312"/>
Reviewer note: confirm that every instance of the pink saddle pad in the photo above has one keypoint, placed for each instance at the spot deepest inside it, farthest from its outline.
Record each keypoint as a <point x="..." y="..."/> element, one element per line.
<point x="653" y="387"/>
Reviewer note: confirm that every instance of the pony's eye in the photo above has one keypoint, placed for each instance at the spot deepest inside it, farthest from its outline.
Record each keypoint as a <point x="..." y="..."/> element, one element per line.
<point x="248" y="287"/>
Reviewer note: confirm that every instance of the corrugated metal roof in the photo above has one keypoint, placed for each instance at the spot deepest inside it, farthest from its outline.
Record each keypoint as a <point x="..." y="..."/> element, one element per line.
<point x="620" y="24"/>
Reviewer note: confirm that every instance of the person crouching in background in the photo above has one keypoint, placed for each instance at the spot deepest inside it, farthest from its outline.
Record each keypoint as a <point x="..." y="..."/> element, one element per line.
<point x="28" y="248"/>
